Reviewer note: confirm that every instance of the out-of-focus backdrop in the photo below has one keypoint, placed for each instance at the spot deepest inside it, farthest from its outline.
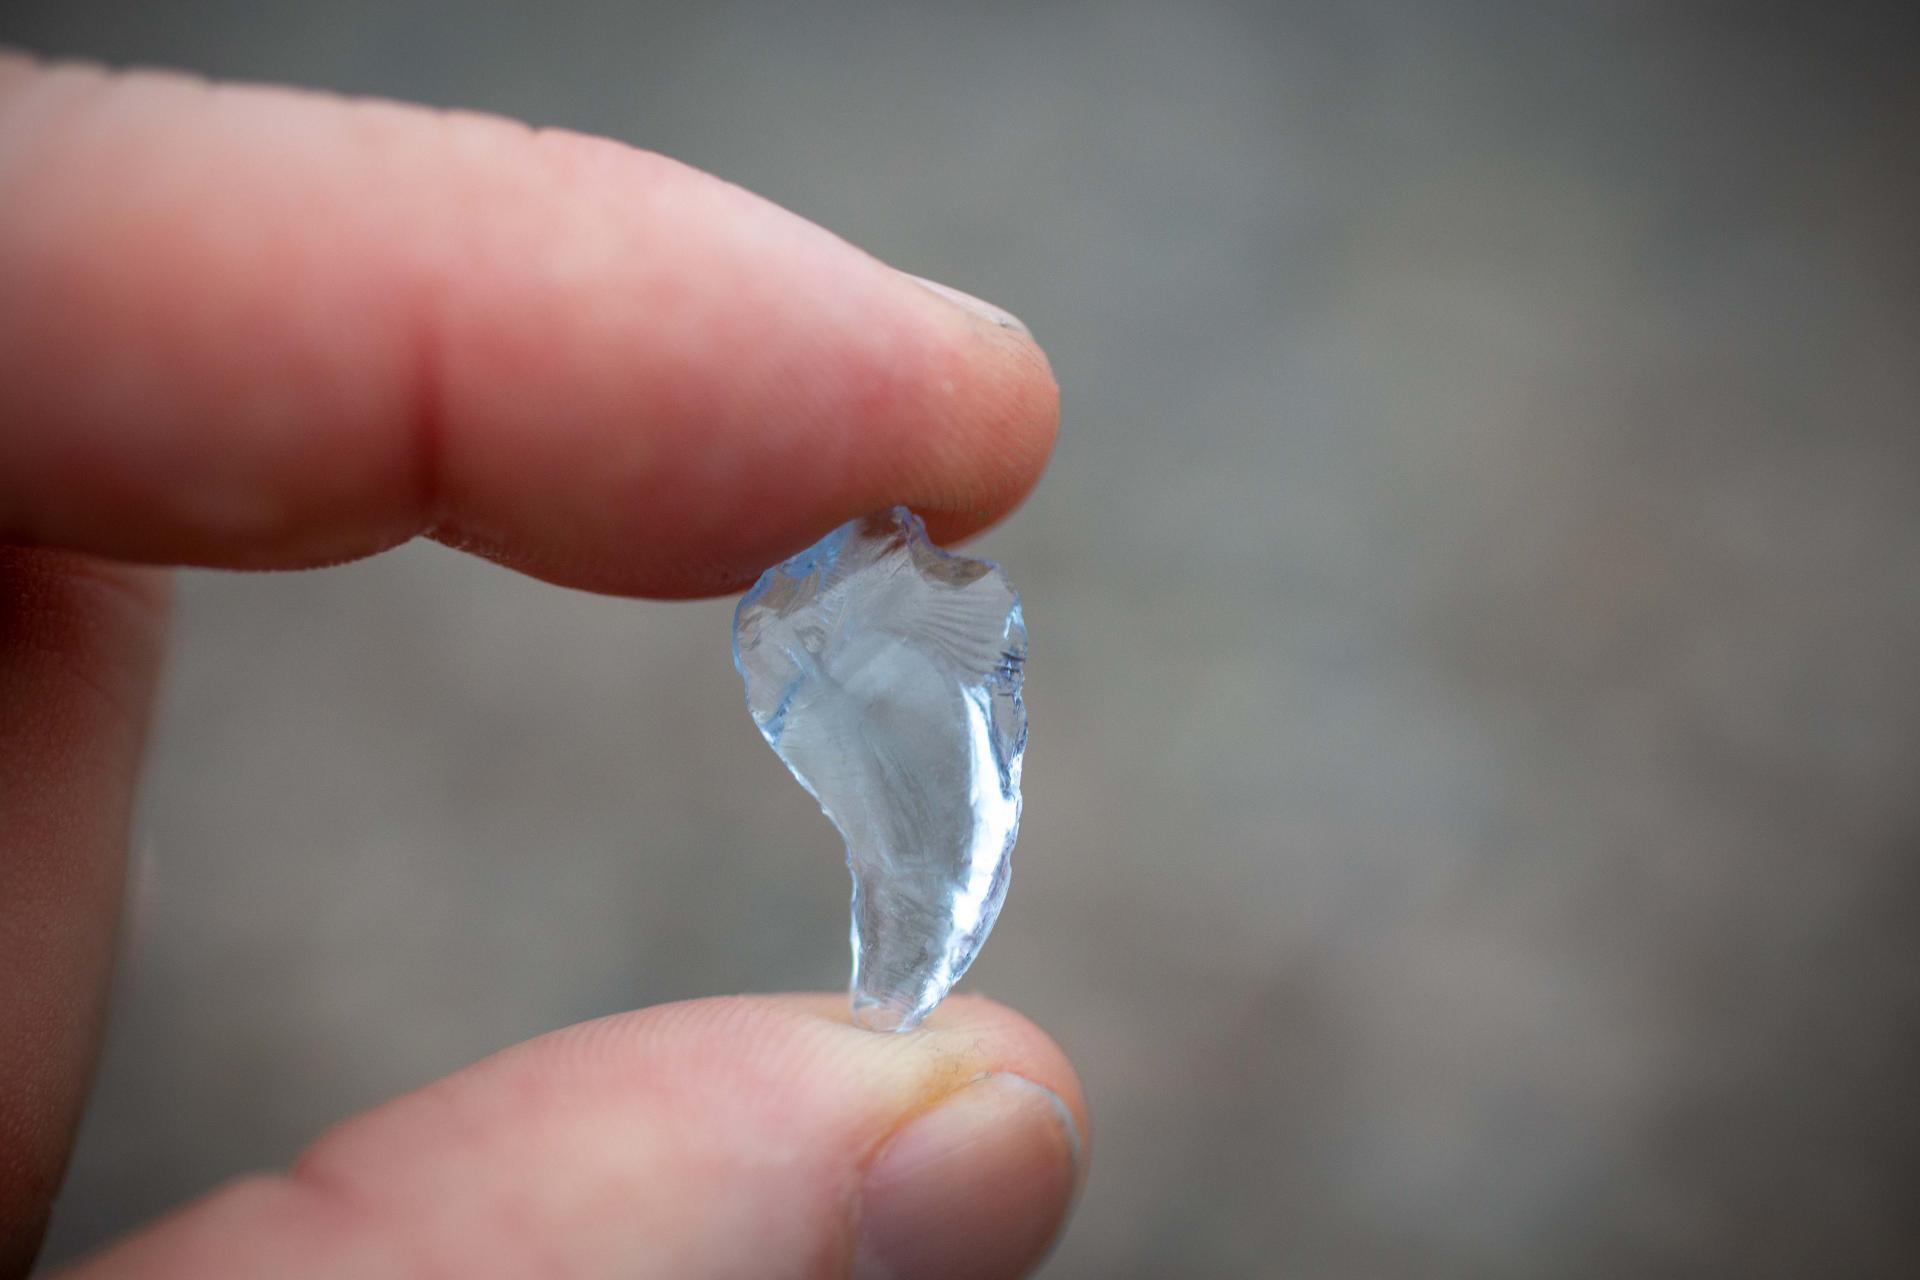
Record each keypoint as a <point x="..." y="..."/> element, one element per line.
<point x="1473" y="820"/>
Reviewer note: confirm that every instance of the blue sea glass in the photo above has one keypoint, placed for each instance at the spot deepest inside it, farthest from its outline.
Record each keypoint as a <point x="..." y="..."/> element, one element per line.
<point x="886" y="673"/>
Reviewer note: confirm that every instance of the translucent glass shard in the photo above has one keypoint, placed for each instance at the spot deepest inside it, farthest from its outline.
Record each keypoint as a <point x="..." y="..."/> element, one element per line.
<point x="886" y="674"/>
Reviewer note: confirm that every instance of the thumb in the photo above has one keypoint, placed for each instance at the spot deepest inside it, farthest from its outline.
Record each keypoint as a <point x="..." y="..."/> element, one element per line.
<point x="745" y="1136"/>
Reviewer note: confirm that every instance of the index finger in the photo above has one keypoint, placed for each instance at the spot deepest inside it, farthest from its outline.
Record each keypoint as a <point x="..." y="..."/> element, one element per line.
<point x="251" y="327"/>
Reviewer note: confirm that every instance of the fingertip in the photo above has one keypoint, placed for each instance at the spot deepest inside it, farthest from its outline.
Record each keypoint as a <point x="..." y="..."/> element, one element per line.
<point x="259" y="328"/>
<point x="967" y="1136"/>
<point x="1006" y="449"/>
<point x="761" y="1135"/>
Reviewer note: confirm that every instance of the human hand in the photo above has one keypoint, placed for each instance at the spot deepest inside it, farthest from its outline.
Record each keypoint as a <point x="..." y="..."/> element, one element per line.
<point x="260" y="329"/>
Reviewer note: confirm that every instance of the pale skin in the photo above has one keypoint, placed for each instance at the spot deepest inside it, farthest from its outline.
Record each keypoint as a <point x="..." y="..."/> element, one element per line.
<point x="262" y="329"/>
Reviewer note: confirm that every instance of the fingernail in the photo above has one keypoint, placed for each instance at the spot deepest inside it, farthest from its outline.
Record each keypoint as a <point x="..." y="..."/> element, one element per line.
<point x="975" y="1189"/>
<point x="978" y="306"/>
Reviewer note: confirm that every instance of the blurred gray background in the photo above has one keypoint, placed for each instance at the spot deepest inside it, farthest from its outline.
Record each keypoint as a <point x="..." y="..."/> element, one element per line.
<point x="1474" y="800"/>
